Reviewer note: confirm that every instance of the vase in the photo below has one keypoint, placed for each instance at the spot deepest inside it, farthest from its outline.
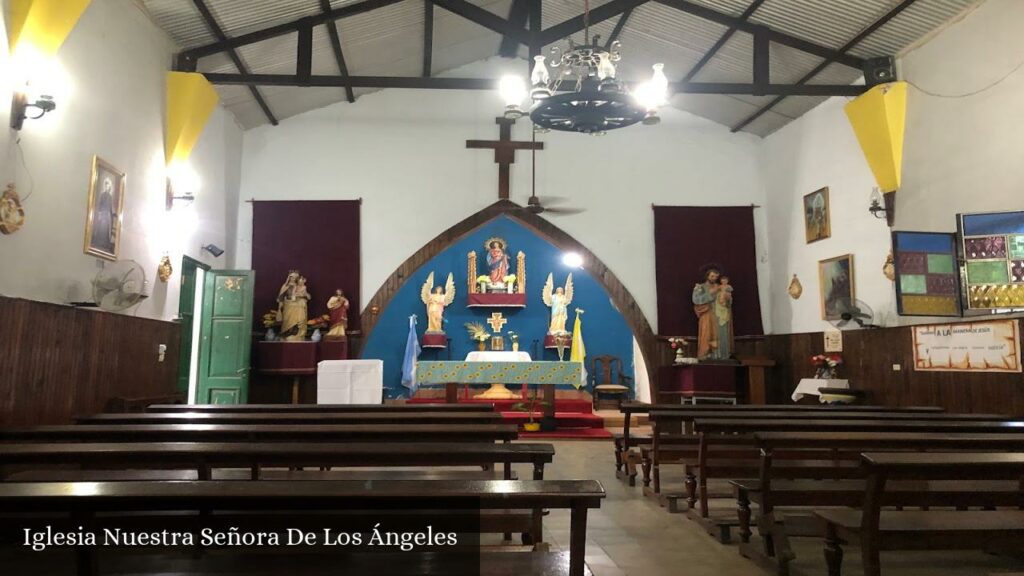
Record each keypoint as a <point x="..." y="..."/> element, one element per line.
<point x="509" y="287"/>
<point x="680" y="355"/>
<point x="483" y="287"/>
<point x="481" y="345"/>
<point x="515" y="346"/>
<point x="531" y="427"/>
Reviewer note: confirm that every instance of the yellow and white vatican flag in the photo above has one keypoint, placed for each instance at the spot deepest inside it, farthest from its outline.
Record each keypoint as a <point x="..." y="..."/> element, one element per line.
<point x="579" y="350"/>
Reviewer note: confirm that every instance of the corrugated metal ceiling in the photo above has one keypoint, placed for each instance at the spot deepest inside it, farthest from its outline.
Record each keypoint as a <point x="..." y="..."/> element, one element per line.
<point x="388" y="42"/>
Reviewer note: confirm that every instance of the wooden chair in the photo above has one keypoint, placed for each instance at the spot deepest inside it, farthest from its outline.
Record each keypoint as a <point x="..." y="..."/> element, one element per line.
<point x="608" y="381"/>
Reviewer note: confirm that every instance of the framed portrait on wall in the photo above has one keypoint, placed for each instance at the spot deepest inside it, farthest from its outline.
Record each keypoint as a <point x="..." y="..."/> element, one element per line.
<point x="835" y="277"/>
<point x="106" y="205"/>
<point x="817" y="219"/>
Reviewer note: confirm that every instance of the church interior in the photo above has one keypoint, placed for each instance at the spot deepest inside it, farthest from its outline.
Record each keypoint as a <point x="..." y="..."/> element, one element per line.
<point x="496" y="287"/>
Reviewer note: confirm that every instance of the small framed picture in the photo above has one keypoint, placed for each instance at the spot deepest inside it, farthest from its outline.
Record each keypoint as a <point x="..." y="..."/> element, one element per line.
<point x="817" y="220"/>
<point x="106" y="206"/>
<point x="835" y="277"/>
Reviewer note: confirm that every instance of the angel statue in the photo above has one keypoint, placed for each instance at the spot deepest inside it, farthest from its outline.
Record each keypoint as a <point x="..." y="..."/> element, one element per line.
<point x="436" y="299"/>
<point x="558" y="299"/>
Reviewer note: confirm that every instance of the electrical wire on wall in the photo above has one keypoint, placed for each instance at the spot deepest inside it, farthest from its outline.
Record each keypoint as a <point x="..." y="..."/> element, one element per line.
<point x="973" y="92"/>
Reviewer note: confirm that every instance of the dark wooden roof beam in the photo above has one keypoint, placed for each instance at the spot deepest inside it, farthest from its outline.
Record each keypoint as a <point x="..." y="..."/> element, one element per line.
<point x="773" y="35"/>
<point x="492" y="84"/>
<point x="517" y="17"/>
<point x="287" y="28"/>
<point x="617" y="30"/>
<point x="428" y="38"/>
<point x="597" y="15"/>
<point x="486" y="19"/>
<point x="339" y="56"/>
<point x="243" y="70"/>
<point x="721" y="42"/>
<point x="828" y="61"/>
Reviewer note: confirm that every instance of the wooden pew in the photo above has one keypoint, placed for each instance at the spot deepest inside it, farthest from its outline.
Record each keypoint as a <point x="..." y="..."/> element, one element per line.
<point x="205" y="457"/>
<point x="306" y="498"/>
<point x="299" y="408"/>
<point x="670" y="421"/>
<point x="624" y="441"/>
<point x="875" y="530"/>
<point x="263" y="433"/>
<point x="304" y="419"/>
<point x="100" y="462"/>
<point x="847" y="486"/>
<point x="732" y="435"/>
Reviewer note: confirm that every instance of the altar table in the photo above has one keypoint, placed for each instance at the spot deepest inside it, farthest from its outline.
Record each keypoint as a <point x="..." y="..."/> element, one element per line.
<point x="497" y="391"/>
<point x="810" y="386"/>
<point x="548" y="374"/>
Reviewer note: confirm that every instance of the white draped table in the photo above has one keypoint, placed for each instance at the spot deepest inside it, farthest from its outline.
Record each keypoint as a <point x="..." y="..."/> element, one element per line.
<point x="497" y="391"/>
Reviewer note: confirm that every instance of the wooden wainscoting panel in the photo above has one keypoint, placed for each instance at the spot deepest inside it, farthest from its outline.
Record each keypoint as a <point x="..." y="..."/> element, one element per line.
<point x="57" y="362"/>
<point x="869" y="357"/>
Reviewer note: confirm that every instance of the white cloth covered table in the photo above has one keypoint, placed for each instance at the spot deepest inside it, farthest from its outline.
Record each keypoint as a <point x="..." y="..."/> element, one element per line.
<point x="350" y="382"/>
<point x="810" y="386"/>
<point x="499" y="356"/>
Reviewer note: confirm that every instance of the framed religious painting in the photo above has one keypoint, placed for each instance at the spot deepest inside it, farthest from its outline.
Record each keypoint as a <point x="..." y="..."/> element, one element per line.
<point x="817" y="219"/>
<point x="835" y="277"/>
<point x="106" y="205"/>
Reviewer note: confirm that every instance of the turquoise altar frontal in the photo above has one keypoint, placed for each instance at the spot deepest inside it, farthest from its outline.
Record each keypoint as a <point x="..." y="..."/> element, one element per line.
<point x="537" y="372"/>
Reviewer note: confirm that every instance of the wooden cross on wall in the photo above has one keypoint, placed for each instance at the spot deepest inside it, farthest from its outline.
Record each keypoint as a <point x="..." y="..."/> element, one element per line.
<point x="504" y="151"/>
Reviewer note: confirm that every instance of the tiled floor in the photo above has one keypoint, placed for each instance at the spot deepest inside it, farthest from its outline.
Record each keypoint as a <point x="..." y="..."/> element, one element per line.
<point x="631" y="535"/>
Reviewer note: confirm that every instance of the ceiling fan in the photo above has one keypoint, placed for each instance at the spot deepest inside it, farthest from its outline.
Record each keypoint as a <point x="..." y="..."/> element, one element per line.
<point x="535" y="205"/>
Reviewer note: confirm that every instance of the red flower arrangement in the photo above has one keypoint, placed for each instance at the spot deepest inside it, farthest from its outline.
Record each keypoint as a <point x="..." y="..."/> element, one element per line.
<point x="826" y="364"/>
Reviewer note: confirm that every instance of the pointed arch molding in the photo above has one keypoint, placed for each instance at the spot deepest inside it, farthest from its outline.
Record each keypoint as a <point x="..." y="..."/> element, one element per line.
<point x="620" y="295"/>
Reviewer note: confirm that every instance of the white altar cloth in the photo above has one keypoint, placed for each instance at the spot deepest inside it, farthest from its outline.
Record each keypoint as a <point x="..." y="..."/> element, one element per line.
<point x="809" y="386"/>
<point x="498" y="356"/>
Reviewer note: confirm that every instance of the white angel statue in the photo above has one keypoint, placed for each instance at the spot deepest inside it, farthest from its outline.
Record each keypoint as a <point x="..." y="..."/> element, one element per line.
<point x="558" y="299"/>
<point x="436" y="299"/>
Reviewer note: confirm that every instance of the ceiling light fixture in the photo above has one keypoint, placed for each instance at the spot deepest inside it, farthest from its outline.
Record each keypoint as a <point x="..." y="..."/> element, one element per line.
<point x="597" y="101"/>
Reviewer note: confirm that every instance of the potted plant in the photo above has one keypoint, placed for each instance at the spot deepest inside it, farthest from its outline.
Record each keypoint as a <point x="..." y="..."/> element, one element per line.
<point x="478" y="333"/>
<point x="530" y="405"/>
<point x="483" y="280"/>
<point x="515" y="340"/>
<point x="510" y="282"/>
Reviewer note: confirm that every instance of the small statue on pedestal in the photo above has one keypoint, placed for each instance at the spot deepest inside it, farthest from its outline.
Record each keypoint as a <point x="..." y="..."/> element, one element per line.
<point x="337" y="311"/>
<point x="436" y="300"/>
<point x="558" y="299"/>
<point x="293" y="307"/>
<point x="712" y="302"/>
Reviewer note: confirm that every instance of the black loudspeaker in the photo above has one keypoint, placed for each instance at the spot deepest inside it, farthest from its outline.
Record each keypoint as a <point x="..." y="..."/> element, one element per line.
<point x="879" y="70"/>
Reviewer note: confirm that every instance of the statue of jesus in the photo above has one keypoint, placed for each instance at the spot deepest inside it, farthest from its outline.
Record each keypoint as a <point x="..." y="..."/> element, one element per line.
<point x="337" y="307"/>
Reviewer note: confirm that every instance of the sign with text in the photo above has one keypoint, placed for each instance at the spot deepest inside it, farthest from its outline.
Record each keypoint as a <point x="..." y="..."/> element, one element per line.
<point x="992" y="346"/>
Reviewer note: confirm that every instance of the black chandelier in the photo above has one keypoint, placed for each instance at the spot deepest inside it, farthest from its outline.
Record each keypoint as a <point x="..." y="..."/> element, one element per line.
<point x="584" y="95"/>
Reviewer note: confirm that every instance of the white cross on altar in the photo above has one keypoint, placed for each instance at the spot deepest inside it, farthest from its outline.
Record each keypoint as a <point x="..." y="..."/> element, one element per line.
<point x="497" y="322"/>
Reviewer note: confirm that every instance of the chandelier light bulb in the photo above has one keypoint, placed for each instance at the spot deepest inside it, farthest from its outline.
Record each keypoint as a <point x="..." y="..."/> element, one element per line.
<point x="659" y="84"/>
<point x="512" y="90"/>
<point x="605" y="68"/>
<point x="539" y="78"/>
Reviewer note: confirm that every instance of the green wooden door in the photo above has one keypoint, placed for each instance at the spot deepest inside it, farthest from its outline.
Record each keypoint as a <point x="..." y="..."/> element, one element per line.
<point x="186" y="313"/>
<point x="225" y="337"/>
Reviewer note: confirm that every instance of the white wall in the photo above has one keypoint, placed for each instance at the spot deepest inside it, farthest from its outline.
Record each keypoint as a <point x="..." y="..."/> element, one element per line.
<point x="960" y="155"/>
<point x="114" y="62"/>
<point x="403" y="152"/>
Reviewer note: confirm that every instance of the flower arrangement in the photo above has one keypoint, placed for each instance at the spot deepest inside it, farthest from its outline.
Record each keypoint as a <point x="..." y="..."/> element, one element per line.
<point x="531" y="406"/>
<point x="318" y="322"/>
<point x="509" y="279"/>
<point x="681" y="346"/>
<point x="483" y="278"/>
<point x="477" y="331"/>
<point x="826" y="365"/>
<point x="270" y="319"/>
<point x="513" y="336"/>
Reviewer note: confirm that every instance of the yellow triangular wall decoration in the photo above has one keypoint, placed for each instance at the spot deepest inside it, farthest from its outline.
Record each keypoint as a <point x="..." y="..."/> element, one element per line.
<point x="190" y="101"/>
<point x="42" y="24"/>
<point x="879" y="118"/>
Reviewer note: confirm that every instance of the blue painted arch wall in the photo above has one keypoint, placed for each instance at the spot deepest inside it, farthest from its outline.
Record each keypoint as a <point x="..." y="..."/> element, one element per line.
<point x="605" y="330"/>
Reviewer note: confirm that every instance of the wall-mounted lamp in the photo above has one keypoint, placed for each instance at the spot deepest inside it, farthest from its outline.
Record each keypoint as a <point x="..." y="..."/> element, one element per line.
<point x="213" y="249"/>
<point x="20" y="106"/>
<point x="883" y="206"/>
<point x="182" y="184"/>
<point x="572" y="260"/>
